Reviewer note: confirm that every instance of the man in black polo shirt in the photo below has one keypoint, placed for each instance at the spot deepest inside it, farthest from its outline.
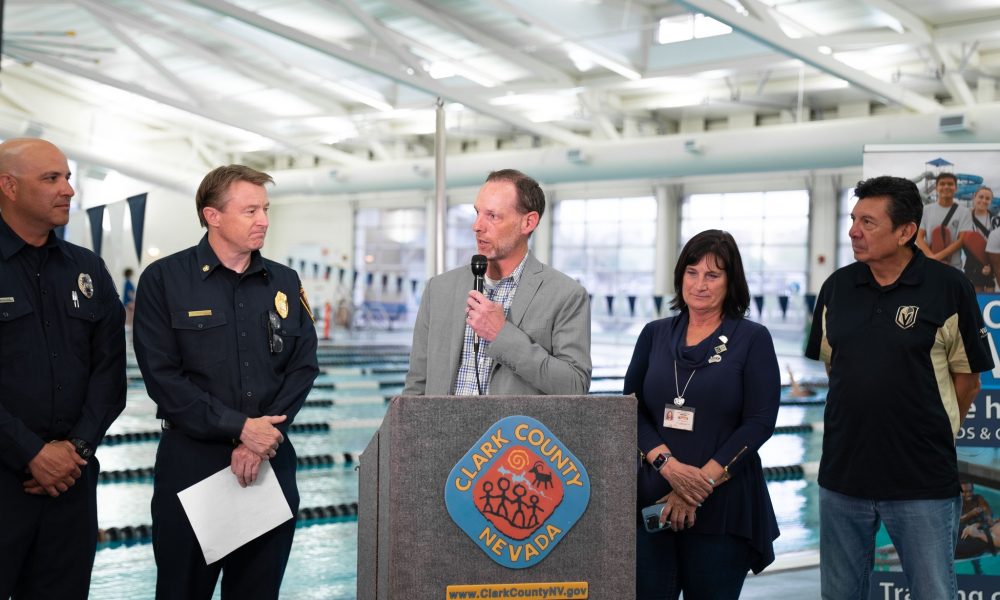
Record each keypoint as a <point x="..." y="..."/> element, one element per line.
<point x="62" y="379"/>
<point x="903" y="341"/>
<point x="227" y="348"/>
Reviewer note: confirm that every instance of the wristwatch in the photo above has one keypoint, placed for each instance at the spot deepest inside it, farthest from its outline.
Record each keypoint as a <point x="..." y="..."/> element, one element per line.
<point x="661" y="460"/>
<point x="82" y="448"/>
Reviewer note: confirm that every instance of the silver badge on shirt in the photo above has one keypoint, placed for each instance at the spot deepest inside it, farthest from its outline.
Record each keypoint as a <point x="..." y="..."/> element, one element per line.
<point x="86" y="284"/>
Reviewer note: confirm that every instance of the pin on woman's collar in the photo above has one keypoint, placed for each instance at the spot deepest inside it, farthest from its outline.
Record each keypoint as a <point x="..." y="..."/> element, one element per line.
<point x="719" y="350"/>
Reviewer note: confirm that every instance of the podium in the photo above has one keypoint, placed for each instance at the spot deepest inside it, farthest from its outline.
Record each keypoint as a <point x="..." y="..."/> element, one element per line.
<point x="435" y="511"/>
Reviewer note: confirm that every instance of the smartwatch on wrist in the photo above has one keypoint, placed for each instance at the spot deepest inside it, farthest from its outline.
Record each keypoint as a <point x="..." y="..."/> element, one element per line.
<point x="82" y="448"/>
<point x="661" y="460"/>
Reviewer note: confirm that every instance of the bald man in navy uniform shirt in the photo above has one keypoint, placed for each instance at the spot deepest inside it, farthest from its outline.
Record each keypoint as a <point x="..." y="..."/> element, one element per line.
<point x="62" y="379"/>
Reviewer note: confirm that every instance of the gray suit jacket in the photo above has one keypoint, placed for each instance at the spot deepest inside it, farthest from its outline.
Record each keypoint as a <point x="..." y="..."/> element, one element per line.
<point x="544" y="348"/>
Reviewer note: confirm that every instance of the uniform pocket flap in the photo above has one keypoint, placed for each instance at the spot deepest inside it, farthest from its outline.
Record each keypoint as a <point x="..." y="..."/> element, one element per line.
<point x="196" y="320"/>
<point x="14" y="310"/>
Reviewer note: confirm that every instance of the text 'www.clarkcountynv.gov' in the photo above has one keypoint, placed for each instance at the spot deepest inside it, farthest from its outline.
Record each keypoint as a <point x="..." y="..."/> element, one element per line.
<point x="565" y="590"/>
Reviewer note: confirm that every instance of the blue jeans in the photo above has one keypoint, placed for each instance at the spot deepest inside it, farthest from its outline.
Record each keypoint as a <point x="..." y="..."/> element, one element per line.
<point x="704" y="567"/>
<point x="923" y="531"/>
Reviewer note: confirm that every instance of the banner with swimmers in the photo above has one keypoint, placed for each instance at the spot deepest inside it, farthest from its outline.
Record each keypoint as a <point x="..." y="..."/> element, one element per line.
<point x="977" y="561"/>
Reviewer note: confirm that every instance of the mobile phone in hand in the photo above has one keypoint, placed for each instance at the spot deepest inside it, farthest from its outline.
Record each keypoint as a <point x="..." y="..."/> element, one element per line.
<point x="651" y="518"/>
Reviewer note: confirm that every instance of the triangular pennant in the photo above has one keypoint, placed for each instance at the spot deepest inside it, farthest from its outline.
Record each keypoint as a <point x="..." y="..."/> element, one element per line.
<point x="137" y="210"/>
<point x="96" y="216"/>
<point x="811" y="303"/>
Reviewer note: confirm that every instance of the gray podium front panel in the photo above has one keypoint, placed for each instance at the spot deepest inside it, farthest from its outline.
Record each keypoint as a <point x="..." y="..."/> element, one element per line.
<point x="408" y="544"/>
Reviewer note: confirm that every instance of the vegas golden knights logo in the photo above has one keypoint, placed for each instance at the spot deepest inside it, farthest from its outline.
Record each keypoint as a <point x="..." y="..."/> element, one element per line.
<point x="906" y="316"/>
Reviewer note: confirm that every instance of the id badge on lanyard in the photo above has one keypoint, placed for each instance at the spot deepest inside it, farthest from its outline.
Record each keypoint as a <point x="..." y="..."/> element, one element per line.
<point x="679" y="417"/>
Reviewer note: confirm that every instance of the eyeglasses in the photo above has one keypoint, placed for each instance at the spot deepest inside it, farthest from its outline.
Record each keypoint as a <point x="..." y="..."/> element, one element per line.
<point x="273" y="327"/>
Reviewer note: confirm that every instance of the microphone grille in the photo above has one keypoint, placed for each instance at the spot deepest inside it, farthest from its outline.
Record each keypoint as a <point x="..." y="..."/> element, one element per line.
<point x="478" y="265"/>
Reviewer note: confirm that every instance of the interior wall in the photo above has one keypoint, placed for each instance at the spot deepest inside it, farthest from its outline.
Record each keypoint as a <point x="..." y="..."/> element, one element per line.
<point x="320" y="228"/>
<point x="321" y="232"/>
<point x="171" y="225"/>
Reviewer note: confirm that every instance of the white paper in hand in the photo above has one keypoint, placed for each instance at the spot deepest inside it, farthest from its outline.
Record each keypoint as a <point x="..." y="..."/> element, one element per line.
<point x="225" y="516"/>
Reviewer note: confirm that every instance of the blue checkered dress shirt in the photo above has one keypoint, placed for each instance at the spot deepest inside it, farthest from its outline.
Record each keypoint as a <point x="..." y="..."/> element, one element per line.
<point x="502" y="293"/>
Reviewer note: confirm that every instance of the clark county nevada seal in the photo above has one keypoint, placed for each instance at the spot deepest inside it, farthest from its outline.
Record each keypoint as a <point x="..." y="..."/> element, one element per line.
<point x="517" y="492"/>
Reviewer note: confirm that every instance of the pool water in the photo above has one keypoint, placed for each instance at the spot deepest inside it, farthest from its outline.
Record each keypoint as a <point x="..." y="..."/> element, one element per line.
<point x="324" y="555"/>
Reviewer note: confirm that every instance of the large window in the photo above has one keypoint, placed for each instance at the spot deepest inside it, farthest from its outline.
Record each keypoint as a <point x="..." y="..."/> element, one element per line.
<point x="389" y="253"/>
<point x="460" y="241"/>
<point x="771" y="229"/>
<point x="391" y="250"/>
<point x="845" y="255"/>
<point x="609" y="245"/>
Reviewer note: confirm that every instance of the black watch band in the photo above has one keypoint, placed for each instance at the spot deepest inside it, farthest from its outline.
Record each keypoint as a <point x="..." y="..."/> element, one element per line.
<point x="661" y="460"/>
<point x="82" y="448"/>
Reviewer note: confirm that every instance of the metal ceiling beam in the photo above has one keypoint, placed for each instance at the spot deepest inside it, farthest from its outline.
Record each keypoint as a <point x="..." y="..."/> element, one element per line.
<point x="780" y="93"/>
<point x="159" y="174"/>
<point x="381" y="34"/>
<point x="951" y="76"/>
<point x="370" y="63"/>
<point x="861" y="40"/>
<point x="479" y="37"/>
<point x="271" y="77"/>
<point x="258" y="73"/>
<point x="206" y="112"/>
<point x="107" y="19"/>
<point x="983" y="29"/>
<point x="422" y="49"/>
<point x="609" y="61"/>
<point x="806" y="51"/>
<point x="906" y="18"/>
<point x="592" y="103"/>
<point x="17" y="101"/>
<point x="760" y="11"/>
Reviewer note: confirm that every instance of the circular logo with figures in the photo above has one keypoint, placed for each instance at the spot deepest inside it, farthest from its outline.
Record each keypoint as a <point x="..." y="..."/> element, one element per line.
<point x="517" y="492"/>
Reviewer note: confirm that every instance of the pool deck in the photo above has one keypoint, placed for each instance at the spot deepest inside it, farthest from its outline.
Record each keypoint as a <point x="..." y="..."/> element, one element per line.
<point x="792" y="576"/>
<point x="792" y="584"/>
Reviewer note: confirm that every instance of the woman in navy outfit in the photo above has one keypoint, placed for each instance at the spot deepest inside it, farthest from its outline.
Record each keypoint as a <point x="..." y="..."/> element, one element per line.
<point x="708" y="387"/>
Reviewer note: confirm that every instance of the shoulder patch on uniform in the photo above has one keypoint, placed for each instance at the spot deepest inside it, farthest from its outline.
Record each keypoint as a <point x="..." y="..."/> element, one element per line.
<point x="305" y="303"/>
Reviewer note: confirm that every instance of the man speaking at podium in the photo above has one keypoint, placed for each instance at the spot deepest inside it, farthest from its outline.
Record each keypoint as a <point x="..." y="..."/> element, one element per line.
<point x="526" y="333"/>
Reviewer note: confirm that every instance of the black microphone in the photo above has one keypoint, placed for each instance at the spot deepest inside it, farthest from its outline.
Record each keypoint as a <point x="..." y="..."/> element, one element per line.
<point x="478" y="271"/>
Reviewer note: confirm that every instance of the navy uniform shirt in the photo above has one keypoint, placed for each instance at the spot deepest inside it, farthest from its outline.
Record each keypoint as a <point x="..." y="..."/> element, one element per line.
<point x="207" y="353"/>
<point x="891" y="412"/>
<point x="62" y="347"/>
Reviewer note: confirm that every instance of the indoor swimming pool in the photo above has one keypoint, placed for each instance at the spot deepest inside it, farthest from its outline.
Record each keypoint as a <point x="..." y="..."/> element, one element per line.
<point x="342" y="412"/>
